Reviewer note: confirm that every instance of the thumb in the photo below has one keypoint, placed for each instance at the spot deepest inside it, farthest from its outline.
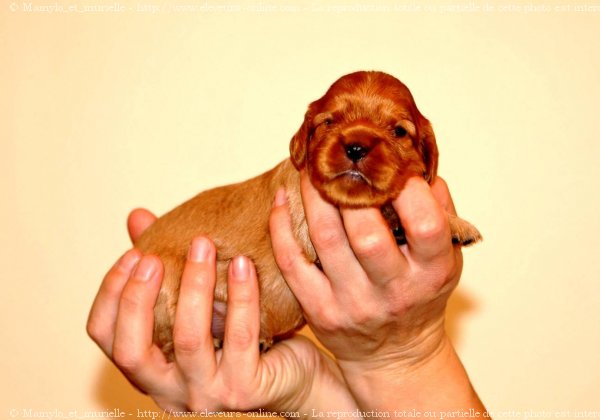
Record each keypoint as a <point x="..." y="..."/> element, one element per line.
<point x="138" y="221"/>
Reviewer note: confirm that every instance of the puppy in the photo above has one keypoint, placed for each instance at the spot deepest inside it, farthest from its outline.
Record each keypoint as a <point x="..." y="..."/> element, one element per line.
<point x="359" y="144"/>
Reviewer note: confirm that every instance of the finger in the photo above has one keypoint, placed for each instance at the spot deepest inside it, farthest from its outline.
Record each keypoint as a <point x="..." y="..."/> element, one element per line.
<point x="425" y="222"/>
<point x="138" y="221"/>
<point x="103" y="315"/>
<point x="440" y="191"/>
<point x="373" y="244"/>
<point x="192" y="338"/>
<point x="305" y="280"/>
<point x="133" y="350"/>
<point x="242" y="324"/>
<point x="328" y="236"/>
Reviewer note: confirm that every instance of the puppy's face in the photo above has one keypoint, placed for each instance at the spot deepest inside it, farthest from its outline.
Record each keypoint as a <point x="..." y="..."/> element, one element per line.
<point x="363" y="139"/>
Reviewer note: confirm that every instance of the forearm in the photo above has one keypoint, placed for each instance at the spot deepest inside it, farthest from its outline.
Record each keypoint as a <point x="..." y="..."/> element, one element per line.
<point x="436" y="384"/>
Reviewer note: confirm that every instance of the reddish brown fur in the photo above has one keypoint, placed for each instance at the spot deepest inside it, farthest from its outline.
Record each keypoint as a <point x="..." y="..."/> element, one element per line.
<point x="363" y="109"/>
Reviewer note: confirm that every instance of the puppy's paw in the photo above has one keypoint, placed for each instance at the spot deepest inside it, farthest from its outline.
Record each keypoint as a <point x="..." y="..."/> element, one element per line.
<point x="168" y="350"/>
<point x="463" y="232"/>
<point x="264" y="344"/>
<point x="217" y="343"/>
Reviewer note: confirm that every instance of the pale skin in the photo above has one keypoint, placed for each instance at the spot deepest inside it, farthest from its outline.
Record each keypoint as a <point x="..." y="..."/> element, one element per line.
<point x="293" y="376"/>
<point x="378" y="308"/>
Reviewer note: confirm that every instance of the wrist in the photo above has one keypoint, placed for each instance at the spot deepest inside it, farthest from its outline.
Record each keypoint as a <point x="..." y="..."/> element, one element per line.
<point x="399" y="353"/>
<point x="431" y="381"/>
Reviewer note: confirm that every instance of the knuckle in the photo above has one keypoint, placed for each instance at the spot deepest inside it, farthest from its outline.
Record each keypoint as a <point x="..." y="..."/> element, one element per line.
<point x="114" y="287"/>
<point x="430" y="228"/>
<point x="240" y="335"/>
<point x="185" y="341"/>
<point x="368" y="316"/>
<point x="121" y="270"/>
<point x="277" y="219"/>
<point x="326" y="236"/>
<point x="130" y="300"/>
<point x="399" y="306"/>
<point x="327" y="320"/>
<point x="360" y="315"/>
<point x="126" y="359"/>
<point x="95" y="329"/>
<point x="285" y="261"/>
<point x="237" y="397"/>
<point x="370" y="245"/>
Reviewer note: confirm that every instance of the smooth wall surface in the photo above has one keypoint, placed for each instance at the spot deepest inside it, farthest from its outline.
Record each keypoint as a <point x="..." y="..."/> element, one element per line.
<point x="147" y="103"/>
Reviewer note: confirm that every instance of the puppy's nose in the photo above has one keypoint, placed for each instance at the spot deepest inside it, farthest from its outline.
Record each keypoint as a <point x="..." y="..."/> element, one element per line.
<point x="356" y="152"/>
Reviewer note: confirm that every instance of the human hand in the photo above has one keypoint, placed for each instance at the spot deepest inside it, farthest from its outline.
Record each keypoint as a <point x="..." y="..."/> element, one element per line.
<point x="379" y="308"/>
<point x="293" y="376"/>
<point x="381" y="300"/>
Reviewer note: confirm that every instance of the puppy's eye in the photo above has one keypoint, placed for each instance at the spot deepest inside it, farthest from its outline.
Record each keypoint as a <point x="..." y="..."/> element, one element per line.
<point x="399" y="131"/>
<point x="328" y="122"/>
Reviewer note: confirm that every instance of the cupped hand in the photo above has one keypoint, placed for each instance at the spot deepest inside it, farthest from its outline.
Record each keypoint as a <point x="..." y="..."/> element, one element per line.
<point x="374" y="303"/>
<point x="294" y="375"/>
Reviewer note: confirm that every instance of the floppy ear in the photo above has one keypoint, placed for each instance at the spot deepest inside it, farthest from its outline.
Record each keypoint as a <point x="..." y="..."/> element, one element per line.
<point x="299" y="143"/>
<point x="428" y="149"/>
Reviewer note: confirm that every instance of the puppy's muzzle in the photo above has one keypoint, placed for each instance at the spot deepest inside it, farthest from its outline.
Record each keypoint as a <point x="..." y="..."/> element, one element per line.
<point x="358" y="142"/>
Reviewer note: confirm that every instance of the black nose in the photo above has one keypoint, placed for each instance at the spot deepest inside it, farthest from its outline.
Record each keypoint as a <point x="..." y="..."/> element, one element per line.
<point x="356" y="152"/>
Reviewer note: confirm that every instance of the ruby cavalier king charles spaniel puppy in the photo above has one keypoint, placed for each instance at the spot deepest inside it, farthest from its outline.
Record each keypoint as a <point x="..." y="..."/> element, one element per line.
<point x="359" y="144"/>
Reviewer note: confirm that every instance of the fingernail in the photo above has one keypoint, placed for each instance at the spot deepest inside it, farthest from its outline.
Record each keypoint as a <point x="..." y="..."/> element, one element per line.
<point x="241" y="268"/>
<point x="129" y="260"/>
<point x="145" y="269"/>
<point x="199" y="250"/>
<point x="280" y="197"/>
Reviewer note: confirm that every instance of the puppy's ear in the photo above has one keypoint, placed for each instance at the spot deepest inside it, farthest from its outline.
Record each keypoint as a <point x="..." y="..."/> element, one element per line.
<point x="428" y="149"/>
<point x="299" y="143"/>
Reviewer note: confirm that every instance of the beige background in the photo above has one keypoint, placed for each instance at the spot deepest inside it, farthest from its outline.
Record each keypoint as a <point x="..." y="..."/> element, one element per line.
<point x="104" y="111"/>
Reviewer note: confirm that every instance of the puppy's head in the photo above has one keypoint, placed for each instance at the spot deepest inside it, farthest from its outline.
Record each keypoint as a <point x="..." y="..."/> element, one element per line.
<point x="363" y="139"/>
